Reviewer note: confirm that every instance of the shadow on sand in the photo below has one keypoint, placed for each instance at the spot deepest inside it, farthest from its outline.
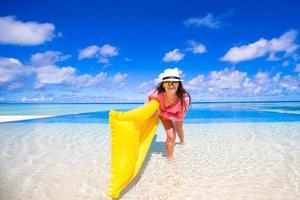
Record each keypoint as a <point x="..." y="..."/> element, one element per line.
<point x="157" y="147"/>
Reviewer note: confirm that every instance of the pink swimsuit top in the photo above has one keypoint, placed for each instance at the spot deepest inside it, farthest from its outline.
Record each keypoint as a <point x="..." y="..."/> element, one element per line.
<point x="174" y="112"/>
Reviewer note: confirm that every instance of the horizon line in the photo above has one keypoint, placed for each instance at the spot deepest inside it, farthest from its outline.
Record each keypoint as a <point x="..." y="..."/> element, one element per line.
<point x="197" y="102"/>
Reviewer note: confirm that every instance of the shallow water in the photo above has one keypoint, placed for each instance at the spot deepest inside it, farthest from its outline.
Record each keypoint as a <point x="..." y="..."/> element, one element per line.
<point x="257" y="160"/>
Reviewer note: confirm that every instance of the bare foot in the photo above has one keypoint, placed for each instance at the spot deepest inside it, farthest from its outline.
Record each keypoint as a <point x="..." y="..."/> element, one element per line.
<point x="170" y="159"/>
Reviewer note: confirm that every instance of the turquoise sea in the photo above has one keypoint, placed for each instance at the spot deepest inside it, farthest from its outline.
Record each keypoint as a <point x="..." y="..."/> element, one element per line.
<point x="233" y="151"/>
<point x="198" y="113"/>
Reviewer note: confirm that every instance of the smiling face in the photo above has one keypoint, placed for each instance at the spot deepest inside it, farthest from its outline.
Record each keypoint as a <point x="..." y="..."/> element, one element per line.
<point x="171" y="86"/>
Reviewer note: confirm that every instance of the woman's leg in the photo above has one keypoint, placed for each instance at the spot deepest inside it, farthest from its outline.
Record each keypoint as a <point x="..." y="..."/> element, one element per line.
<point x="179" y="130"/>
<point x="171" y="137"/>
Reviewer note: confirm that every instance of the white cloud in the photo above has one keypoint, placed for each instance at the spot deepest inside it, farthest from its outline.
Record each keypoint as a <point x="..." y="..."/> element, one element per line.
<point x="23" y="99"/>
<point x="108" y="50"/>
<point x="173" y="56"/>
<point x="277" y="77"/>
<point x="262" y="78"/>
<point x="13" y="73"/>
<point x="285" y="63"/>
<point x="273" y="57"/>
<point x="146" y="85"/>
<point x="16" y="32"/>
<point x="295" y="56"/>
<point x="127" y="59"/>
<point x="234" y="83"/>
<point x="208" y="21"/>
<point x="51" y="74"/>
<point x="91" y="98"/>
<point x="88" y="52"/>
<point x="15" y="85"/>
<point x="284" y="43"/>
<point x="297" y="68"/>
<point x="87" y="80"/>
<point x="118" y="79"/>
<point x="10" y="68"/>
<point x="103" y="61"/>
<point x="196" y="48"/>
<point x="197" y="83"/>
<point x="262" y="47"/>
<point x="290" y="83"/>
<point x="225" y="80"/>
<point x="36" y="99"/>
<point x="47" y="58"/>
<point x="101" y="53"/>
<point x="246" y="52"/>
<point x="249" y="87"/>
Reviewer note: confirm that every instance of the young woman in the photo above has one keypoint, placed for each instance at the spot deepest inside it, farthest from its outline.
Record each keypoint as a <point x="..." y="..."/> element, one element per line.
<point x="174" y="102"/>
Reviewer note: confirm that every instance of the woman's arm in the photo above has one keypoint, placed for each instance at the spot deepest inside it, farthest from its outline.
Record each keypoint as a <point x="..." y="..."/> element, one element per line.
<point x="186" y="102"/>
<point x="152" y="95"/>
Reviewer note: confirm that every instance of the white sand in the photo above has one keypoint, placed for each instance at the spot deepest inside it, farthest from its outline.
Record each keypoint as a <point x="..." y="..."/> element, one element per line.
<point x="12" y="118"/>
<point x="218" y="161"/>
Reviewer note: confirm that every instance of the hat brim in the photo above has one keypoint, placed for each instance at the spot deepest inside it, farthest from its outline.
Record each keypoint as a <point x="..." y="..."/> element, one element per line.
<point x="171" y="79"/>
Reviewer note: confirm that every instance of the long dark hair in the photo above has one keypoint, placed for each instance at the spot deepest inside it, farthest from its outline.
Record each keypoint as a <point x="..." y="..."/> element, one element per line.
<point x="180" y="92"/>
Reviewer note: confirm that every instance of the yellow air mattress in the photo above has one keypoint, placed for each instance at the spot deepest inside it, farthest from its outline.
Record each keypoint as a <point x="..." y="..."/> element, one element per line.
<point x="131" y="136"/>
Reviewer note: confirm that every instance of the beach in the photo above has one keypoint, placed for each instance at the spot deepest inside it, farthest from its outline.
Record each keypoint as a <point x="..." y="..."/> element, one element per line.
<point x="82" y="80"/>
<point x="218" y="161"/>
<point x="13" y="118"/>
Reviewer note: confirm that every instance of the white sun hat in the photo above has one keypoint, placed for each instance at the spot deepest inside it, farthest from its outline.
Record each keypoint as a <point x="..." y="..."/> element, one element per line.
<point x="170" y="75"/>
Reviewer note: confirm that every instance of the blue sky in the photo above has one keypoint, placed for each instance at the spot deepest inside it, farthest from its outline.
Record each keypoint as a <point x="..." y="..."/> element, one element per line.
<point x="113" y="51"/>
